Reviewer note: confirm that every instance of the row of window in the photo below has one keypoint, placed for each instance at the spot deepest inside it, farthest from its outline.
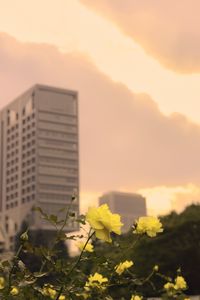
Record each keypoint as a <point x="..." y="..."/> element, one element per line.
<point x="56" y="134"/>
<point x="56" y="160"/>
<point x="13" y="145"/>
<point x="28" y="162"/>
<point x="28" y="153"/>
<point x="60" y="169"/>
<point x="57" y="127"/>
<point x="12" y="154"/>
<point x="12" y="179"/>
<point x="11" y="196"/>
<point x="28" y="189"/>
<point x="55" y="197"/>
<point x="28" y="127"/>
<point x="57" y="187"/>
<point x="57" y="117"/>
<point x="28" y="144"/>
<point x="13" y="128"/>
<point x="12" y="187"/>
<point x="28" y="171"/>
<point x="28" y="118"/>
<point x="11" y="205"/>
<point x="12" y="162"/>
<point x="28" y="180"/>
<point x="28" y="136"/>
<point x="12" y="137"/>
<point x="12" y="170"/>
<point x="28" y="198"/>
<point x="56" y="143"/>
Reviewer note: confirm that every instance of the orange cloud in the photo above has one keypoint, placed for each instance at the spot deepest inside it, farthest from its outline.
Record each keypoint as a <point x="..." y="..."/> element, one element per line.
<point x="124" y="139"/>
<point x="168" y="30"/>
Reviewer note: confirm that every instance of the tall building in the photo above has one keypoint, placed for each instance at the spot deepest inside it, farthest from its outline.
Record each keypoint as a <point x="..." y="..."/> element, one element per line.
<point x="129" y="206"/>
<point x="39" y="157"/>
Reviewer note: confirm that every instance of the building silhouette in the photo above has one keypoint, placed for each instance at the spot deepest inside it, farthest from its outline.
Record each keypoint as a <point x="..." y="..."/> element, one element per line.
<point x="129" y="206"/>
<point x="39" y="159"/>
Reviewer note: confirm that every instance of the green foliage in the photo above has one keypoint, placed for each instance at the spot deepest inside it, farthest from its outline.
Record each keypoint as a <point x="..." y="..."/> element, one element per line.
<point x="178" y="247"/>
<point x="42" y="269"/>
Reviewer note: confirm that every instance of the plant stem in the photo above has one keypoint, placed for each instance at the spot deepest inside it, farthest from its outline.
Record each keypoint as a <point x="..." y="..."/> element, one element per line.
<point x="13" y="266"/>
<point x="76" y="263"/>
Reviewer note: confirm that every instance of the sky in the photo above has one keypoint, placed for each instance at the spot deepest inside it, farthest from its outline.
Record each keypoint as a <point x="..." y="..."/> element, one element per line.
<point x="136" y="66"/>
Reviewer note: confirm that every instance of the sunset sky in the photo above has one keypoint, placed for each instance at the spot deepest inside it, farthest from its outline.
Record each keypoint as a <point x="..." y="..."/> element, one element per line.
<point x="136" y="66"/>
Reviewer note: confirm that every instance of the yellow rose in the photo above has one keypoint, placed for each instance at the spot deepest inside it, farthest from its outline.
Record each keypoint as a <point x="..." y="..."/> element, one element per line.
<point x="49" y="291"/>
<point x="61" y="297"/>
<point x="14" y="291"/>
<point x="180" y="283"/>
<point x="136" y="297"/>
<point x="123" y="266"/>
<point x="149" y="225"/>
<point x="2" y="283"/>
<point x="103" y="222"/>
<point x="168" y="286"/>
<point x="89" y="247"/>
<point x="96" y="281"/>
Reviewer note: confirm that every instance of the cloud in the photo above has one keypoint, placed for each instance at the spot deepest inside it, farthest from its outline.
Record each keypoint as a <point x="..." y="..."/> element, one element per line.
<point x="124" y="139"/>
<point x="168" y="30"/>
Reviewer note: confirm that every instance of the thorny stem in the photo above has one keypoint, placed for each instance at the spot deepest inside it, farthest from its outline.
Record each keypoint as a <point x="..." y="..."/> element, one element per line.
<point x="77" y="262"/>
<point x="13" y="266"/>
<point x="59" y="231"/>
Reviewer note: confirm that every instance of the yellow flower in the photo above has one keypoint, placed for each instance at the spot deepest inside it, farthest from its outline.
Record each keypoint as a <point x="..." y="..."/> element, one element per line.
<point x="2" y="283"/>
<point x="103" y="222"/>
<point x="84" y="295"/>
<point x="180" y="283"/>
<point x="14" y="291"/>
<point x="136" y="297"/>
<point x="96" y="281"/>
<point x="61" y="297"/>
<point x="89" y="247"/>
<point x="49" y="291"/>
<point x="123" y="266"/>
<point x="149" y="225"/>
<point x="168" y="286"/>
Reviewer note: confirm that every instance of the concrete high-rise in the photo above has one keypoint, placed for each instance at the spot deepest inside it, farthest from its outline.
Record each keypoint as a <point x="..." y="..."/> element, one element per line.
<point x="129" y="206"/>
<point x="39" y="157"/>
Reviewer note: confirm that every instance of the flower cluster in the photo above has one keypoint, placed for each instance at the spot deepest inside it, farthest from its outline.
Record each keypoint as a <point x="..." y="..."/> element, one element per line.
<point x="85" y="247"/>
<point x="149" y="225"/>
<point x="96" y="281"/>
<point x="178" y="285"/>
<point x="103" y="222"/>
<point x="123" y="266"/>
<point x="48" y="290"/>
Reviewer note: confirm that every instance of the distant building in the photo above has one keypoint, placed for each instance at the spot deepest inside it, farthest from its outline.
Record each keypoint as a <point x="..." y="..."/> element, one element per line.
<point x="39" y="159"/>
<point x="129" y="206"/>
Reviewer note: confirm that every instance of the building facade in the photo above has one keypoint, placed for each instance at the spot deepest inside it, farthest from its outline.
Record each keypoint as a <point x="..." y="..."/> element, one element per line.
<point x="129" y="206"/>
<point x="39" y="157"/>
